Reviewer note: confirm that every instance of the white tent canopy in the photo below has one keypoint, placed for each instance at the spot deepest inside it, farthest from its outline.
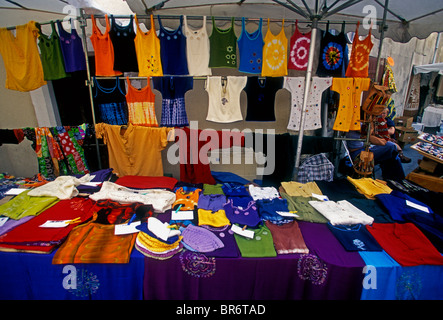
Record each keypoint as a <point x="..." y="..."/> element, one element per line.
<point x="426" y="68"/>
<point x="399" y="20"/>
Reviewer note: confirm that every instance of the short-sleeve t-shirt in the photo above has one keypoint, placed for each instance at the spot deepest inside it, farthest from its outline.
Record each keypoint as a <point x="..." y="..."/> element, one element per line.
<point x="224" y="98"/>
<point x="261" y="97"/>
<point x="173" y="91"/>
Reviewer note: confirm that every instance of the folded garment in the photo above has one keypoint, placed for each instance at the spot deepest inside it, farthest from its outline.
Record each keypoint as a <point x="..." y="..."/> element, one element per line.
<point x="161" y="200"/>
<point x="405" y="243"/>
<point x="369" y="187"/>
<point x="24" y="205"/>
<point x="63" y="187"/>
<point x="294" y="188"/>
<point x="259" y="193"/>
<point x="77" y="210"/>
<point x="399" y="204"/>
<point x="243" y="216"/>
<point x="287" y="238"/>
<point x="95" y="243"/>
<point x="341" y="212"/>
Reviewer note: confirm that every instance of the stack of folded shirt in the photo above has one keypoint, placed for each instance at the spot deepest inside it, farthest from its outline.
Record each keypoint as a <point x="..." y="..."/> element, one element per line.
<point x="154" y="241"/>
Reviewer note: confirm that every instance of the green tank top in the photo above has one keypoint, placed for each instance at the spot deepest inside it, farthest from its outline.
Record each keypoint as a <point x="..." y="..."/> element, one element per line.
<point x="51" y="55"/>
<point x="223" y="47"/>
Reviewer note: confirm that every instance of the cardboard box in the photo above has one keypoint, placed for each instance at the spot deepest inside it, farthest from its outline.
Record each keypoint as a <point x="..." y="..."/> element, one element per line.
<point x="403" y="121"/>
<point x="406" y="134"/>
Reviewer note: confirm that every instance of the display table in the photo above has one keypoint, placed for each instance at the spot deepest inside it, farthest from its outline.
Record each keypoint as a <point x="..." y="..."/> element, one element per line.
<point x="31" y="276"/>
<point x="327" y="272"/>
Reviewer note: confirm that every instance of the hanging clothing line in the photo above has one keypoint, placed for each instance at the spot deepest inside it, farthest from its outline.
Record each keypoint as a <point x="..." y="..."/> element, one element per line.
<point x="173" y="17"/>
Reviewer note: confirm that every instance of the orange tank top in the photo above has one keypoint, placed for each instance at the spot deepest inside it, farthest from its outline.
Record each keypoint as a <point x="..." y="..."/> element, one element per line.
<point x="147" y="47"/>
<point x="275" y="53"/>
<point x="141" y="109"/>
<point x="359" y="61"/>
<point x="103" y="49"/>
<point x="187" y="199"/>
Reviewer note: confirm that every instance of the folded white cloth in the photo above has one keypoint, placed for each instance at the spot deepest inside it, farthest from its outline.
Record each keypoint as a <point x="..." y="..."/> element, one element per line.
<point x="161" y="229"/>
<point x="259" y="193"/>
<point x="63" y="187"/>
<point x="341" y="212"/>
<point x="161" y="200"/>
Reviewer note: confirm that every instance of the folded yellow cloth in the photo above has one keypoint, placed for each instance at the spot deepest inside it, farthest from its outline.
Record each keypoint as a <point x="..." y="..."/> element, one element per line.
<point x="369" y="187"/>
<point x="294" y="188"/>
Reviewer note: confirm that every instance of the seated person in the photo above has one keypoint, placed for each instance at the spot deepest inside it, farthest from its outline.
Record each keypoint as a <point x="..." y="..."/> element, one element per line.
<point x="385" y="128"/>
<point x="386" y="155"/>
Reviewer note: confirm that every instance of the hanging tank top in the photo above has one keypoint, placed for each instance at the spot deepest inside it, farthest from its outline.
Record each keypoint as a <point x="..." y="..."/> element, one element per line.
<point x="141" y="110"/>
<point x="24" y="70"/>
<point x="72" y="48"/>
<point x="110" y="102"/>
<point x="173" y="50"/>
<point x="332" y="54"/>
<point x="275" y="53"/>
<point x="104" y="51"/>
<point x="122" y="37"/>
<point x="147" y="47"/>
<point x="359" y="62"/>
<point x="223" y="47"/>
<point x="51" y="55"/>
<point x="250" y="47"/>
<point x="299" y="49"/>
<point x="197" y="49"/>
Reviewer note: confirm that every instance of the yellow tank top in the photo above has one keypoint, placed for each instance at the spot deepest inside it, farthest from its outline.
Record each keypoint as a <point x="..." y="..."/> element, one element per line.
<point x="212" y="218"/>
<point x="147" y="47"/>
<point x="275" y="53"/>
<point x="24" y="71"/>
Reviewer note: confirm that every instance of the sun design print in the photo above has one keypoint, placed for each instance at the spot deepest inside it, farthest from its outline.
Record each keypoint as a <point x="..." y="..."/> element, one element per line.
<point x="332" y="56"/>
<point x="276" y="53"/>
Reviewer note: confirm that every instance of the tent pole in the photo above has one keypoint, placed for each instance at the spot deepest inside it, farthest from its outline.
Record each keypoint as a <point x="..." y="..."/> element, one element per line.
<point x="88" y="82"/>
<point x="306" y="93"/>
<point x="382" y="35"/>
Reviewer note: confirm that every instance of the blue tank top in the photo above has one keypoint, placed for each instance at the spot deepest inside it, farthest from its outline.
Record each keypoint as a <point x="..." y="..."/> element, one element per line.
<point x="173" y="50"/>
<point x="250" y="47"/>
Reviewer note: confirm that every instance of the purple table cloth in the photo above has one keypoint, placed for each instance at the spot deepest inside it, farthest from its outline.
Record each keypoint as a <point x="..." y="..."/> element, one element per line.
<point x="327" y="272"/>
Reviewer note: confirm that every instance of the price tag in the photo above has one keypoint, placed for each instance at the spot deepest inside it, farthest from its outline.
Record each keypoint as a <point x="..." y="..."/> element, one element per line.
<point x="245" y="233"/>
<point x="417" y="206"/>
<point x="3" y="220"/>
<point x="288" y="214"/>
<point x="182" y="215"/>
<point x="125" y="228"/>
<point x="55" y="224"/>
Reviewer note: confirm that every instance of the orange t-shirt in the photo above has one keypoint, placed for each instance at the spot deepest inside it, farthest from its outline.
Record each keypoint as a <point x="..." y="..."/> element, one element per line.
<point x="135" y="151"/>
<point x="359" y="61"/>
<point x="104" y="50"/>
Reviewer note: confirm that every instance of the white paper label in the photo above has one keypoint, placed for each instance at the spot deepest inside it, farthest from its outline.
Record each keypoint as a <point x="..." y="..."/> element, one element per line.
<point x="288" y="214"/>
<point x="417" y="206"/>
<point x="55" y="224"/>
<point x="182" y="215"/>
<point x="3" y="220"/>
<point x="320" y="197"/>
<point x="245" y="233"/>
<point x="125" y="228"/>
